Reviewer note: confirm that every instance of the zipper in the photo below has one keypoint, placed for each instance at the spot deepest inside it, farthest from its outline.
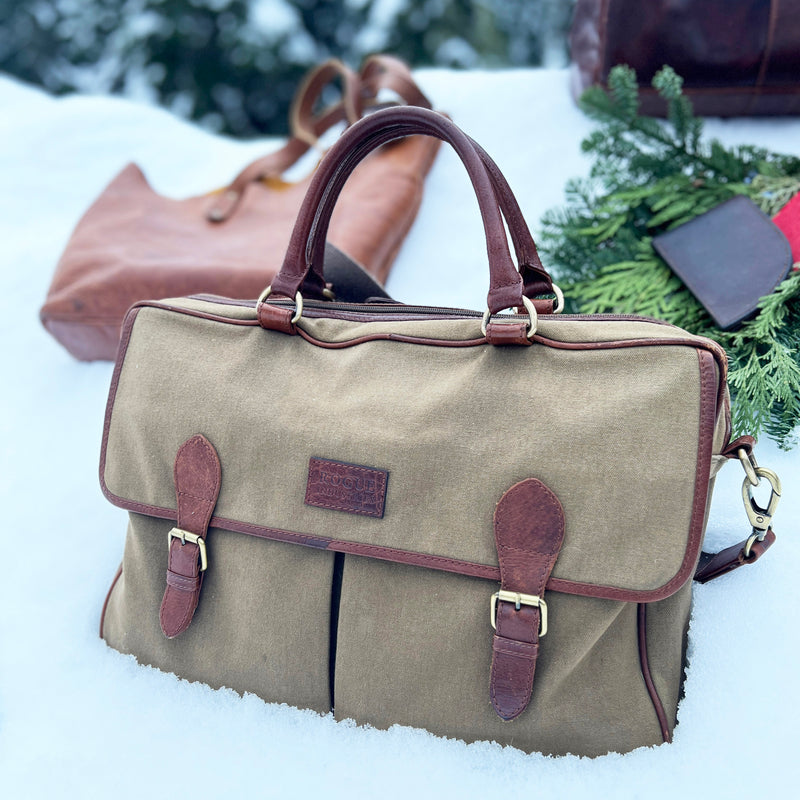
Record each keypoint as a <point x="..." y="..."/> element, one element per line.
<point x="401" y="309"/>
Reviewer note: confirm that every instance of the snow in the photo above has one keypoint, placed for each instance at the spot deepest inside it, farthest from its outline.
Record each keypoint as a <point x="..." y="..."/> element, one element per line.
<point x="78" y="719"/>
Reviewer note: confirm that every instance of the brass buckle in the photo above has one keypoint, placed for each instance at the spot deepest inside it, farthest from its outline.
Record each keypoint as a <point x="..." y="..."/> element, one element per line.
<point x="760" y="518"/>
<point x="193" y="538"/>
<point x="519" y="599"/>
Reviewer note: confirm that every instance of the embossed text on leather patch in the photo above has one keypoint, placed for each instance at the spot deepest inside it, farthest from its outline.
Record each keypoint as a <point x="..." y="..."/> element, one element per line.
<point x="346" y="487"/>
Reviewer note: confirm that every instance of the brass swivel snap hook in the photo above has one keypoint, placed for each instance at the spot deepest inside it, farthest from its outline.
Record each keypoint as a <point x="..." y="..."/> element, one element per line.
<point x="760" y="518"/>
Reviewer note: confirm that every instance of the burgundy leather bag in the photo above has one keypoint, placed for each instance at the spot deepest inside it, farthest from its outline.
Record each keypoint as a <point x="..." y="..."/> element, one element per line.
<point x="134" y="244"/>
<point x="737" y="57"/>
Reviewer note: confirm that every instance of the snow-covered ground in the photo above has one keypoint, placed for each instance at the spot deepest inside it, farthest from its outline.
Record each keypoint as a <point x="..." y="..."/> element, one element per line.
<point x="79" y="720"/>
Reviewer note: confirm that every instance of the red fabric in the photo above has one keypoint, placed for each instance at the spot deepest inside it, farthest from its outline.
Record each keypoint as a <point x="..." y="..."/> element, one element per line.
<point x="788" y="220"/>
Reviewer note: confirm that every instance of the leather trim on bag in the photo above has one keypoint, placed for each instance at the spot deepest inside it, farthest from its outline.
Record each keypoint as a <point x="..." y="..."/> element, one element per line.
<point x="658" y="706"/>
<point x="746" y="443"/>
<point x="713" y="565"/>
<point x="708" y="346"/>
<point x="197" y="475"/>
<point x="441" y="563"/>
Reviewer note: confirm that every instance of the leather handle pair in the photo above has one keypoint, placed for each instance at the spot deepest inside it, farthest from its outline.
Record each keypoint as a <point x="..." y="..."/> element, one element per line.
<point x="382" y="72"/>
<point x="358" y="90"/>
<point x="304" y="258"/>
<point x="307" y="127"/>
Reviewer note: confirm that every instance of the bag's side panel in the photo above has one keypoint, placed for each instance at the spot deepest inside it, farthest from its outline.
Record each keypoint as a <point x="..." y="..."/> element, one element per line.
<point x="262" y="625"/>
<point x="415" y="646"/>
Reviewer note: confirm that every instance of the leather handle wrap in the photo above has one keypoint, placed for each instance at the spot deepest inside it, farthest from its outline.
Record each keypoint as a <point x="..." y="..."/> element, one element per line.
<point x="304" y="254"/>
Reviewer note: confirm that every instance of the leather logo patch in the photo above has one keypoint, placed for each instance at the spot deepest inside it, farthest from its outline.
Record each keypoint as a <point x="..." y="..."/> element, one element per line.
<point x="346" y="487"/>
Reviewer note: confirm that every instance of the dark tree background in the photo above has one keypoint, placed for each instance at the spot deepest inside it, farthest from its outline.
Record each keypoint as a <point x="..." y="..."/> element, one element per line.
<point x="233" y="65"/>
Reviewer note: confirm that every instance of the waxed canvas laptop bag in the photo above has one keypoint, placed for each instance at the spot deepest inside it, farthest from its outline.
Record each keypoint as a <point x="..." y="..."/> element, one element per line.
<point x="483" y="524"/>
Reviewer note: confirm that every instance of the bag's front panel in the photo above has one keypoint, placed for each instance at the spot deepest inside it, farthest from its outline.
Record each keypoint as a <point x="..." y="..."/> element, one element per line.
<point x="454" y="428"/>
<point x="263" y="624"/>
<point x="414" y="648"/>
<point x="616" y="432"/>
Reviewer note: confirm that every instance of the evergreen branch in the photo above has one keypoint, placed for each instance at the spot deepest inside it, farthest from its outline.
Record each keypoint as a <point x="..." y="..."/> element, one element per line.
<point x="649" y="176"/>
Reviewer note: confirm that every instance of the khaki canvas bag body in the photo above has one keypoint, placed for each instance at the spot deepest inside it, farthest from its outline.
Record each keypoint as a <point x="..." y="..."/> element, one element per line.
<point x="481" y="524"/>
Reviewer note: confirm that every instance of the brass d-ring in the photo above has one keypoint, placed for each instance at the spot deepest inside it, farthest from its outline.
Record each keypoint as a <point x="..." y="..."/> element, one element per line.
<point x="533" y="317"/>
<point x="298" y="299"/>
<point x="558" y="306"/>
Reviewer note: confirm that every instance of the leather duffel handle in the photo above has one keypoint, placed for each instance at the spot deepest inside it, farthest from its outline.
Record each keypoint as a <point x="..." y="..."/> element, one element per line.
<point x="302" y="265"/>
<point x="358" y="91"/>
<point x="306" y="128"/>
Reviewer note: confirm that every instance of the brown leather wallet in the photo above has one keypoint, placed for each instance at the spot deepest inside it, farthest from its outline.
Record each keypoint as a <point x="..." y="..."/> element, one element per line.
<point x="729" y="258"/>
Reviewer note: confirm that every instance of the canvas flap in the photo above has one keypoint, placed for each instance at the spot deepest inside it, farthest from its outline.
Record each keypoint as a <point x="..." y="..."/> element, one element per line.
<point x="617" y="418"/>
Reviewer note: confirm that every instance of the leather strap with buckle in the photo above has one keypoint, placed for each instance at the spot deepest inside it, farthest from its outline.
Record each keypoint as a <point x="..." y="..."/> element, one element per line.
<point x="529" y="531"/>
<point x="197" y="475"/>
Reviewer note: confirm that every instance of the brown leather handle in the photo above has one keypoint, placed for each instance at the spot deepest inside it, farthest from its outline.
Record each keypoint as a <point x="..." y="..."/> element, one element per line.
<point x="306" y="129"/>
<point x="358" y="90"/>
<point x="535" y="278"/>
<point x="303" y="124"/>
<point x="304" y="255"/>
<point x="383" y="72"/>
<point x="536" y="281"/>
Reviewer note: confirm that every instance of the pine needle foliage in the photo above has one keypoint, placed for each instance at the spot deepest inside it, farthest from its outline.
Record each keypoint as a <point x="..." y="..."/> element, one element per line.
<point x="647" y="177"/>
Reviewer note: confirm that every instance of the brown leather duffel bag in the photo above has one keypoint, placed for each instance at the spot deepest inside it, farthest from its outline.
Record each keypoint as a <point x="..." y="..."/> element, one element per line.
<point x="482" y="524"/>
<point x="134" y="244"/>
<point x="736" y="58"/>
